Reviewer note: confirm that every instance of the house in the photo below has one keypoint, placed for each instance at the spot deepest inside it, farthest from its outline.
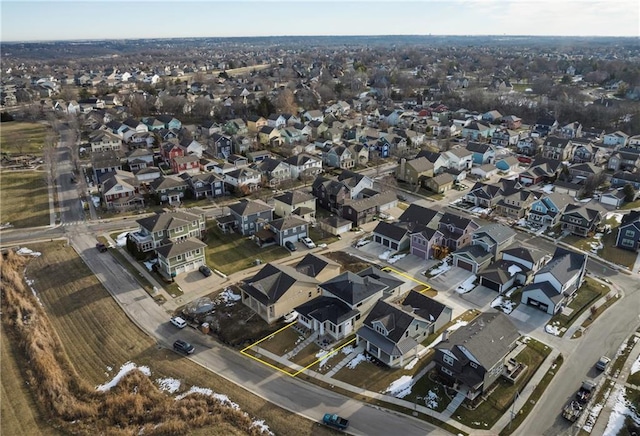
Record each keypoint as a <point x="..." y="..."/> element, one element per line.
<point x="170" y="150"/>
<point x="557" y="148"/>
<point x="255" y="123"/>
<point x="458" y="159"/>
<point x="120" y="191"/>
<point x="175" y="258"/>
<point x="507" y="164"/>
<point x="243" y="179"/>
<point x="392" y="333"/>
<point x="555" y="284"/>
<point x="169" y="189"/>
<point x="140" y="158"/>
<point x="257" y="156"/>
<point x="158" y="229"/>
<point x="361" y="211"/>
<point x="456" y="230"/>
<point x="616" y="139"/>
<point x="625" y="159"/>
<point x="192" y="147"/>
<point x="276" y="121"/>
<point x="544" y="126"/>
<point x="313" y="115"/>
<point x="397" y="235"/>
<point x="291" y="228"/>
<point x="548" y="209"/>
<point x="249" y="216"/>
<point x="428" y="243"/>
<point x="104" y="163"/>
<point x="583" y="150"/>
<point x="185" y="164"/>
<point x="581" y="219"/>
<point x="304" y="166"/>
<point x="483" y="152"/>
<point x="220" y="146"/>
<point x="486" y="244"/>
<point x="484" y="171"/>
<point x="511" y="122"/>
<point x="338" y="156"/>
<point x="440" y="162"/>
<point x="593" y="133"/>
<point x="356" y="182"/>
<point x="541" y="170"/>
<point x="274" y="171"/>
<point x="103" y="140"/>
<point x="335" y="225"/>
<point x="622" y="178"/>
<point x="209" y="185"/>
<point x="613" y="197"/>
<point x="472" y="357"/>
<point x="330" y="194"/>
<point x="440" y="183"/>
<point x="145" y="175"/>
<point x="516" y="204"/>
<point x="629" y="232"/>
<point x="296" y="202"/>
<point x="277" y="290"/>
<point x="529" y="146"/>
<point x="492" y="116"/>
<point x="476" y="130"/>
<point x="571" y="130"/>
<point x="585" y="170"/>
<point x="516" y="267"/>
<point x="484" y="195"/>
<point x="415" y="170"/>
<point x="269" y="136"/>
<point x="505" y="138"/>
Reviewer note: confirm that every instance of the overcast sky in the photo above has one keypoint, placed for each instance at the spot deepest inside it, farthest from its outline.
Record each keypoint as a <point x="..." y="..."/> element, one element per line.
<point x="27" y="20"/>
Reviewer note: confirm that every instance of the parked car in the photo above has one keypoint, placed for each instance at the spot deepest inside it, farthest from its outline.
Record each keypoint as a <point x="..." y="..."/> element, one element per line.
<point x="205" y="270"/>
<point x="335" y="421"/>
<point x="183" y="347"/>
<point x="290" y="317"/>
<point x="603" y="363"/>
<point x="101" y="247"/>
<point x="308" y="242"/>
<point x="178" y="322"/>
<point x="290" y="246"/>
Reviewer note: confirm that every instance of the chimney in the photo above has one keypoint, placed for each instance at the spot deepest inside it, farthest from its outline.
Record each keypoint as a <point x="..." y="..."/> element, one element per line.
<point x="445" y="335"/>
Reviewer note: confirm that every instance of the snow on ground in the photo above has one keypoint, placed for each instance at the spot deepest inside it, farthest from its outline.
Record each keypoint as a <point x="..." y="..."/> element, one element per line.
<point x="362" y="242"/>
<point x="385" y="255"/>
<point x="121" y="240"/>
<point x="347" y="350"/>
<point x="616" y="216"/>
<point x="619" y="412"/>
<point x="480" y="210"/>
<point x="636" y="366"/>
<point x="467" y="285"/>
<point x="442" y="268"/>
<point x="24" y="251"/>
<point x="513" y="269"/>
<point x="510" y="291"/>
<point x="124" y="370"/>
<point x="323" y="356"/>
<point x="149" y="264"/>
<point x="547" y="189"/>
<point x="356" y="360"/>
<point x="401" y="387"/>
<point x="431" y="400"/>
<point x="170" y="385"/>
<point x="397" y="257"/>
<point x="594" y="412"/>
<point x="264" y="428"/>
<point x="597" y="244"/>
<point x="411" y="364"/>
<point x="95" y="200"/>
<point x="506" y="306"/>
<point x="552" y="329"/>
<point x="228" y="297"/>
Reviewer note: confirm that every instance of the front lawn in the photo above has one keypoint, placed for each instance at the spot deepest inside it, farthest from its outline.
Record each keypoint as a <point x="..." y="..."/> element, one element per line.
<point x="614" y="254"/>
<point x="487" y="413"/>
<point x="230" y="252"/>
<point x="590" y="292"/>
<point x="25" y="199"/>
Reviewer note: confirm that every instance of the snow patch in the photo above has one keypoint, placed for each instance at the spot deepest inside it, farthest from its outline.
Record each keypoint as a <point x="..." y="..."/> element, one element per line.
<point x="401" y="387"/>
<point x="228" y="297"/>
<point x="24" y="251"/>
<point x="547" y="189"/>
<point x="170" y="385"/>
<point x="411" y="364"/>
<point x="617" y="216"/>
<point x="121" y="239"/>
<point x="441" y="269"/>
<point x="385" y="255"/>
<point x="347" y="350"/>
<point x="323" y="356"/>
<point x="397" y="257"/>
<point x="636" y="366"/>
<point x="504" y="305"/>
<point x="513" y="269"/>
<point x="620" y="410"/>
<point x="467" y="285"/>
<point x="149" y="264"/>
<point x="552" y="329"/>
<point x="261" y="426"/>
<point x="455" y="326"/>
<point x="431" y="400"/>
<point x="124" y="370"/>
<point x="356" y="360"/>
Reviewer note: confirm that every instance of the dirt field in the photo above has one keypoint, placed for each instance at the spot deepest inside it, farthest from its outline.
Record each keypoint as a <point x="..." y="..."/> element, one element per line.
<point x="97" y="338"/>
<point x="347" y="261"/>
<point x="24" y="198"/>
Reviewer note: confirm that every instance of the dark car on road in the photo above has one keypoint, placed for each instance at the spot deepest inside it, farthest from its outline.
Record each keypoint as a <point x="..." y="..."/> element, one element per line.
<point x="101" y="247"/>
<point x="205" y="270"/>
<point x="183" y="347"/>
<point x="290" y="246"/>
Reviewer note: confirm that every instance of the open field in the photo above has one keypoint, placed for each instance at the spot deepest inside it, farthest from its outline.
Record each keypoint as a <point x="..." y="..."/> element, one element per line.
<point x="24" y="198"/>
<point x="231" y="252"/>
<point x="22" y="137"/>
<point x="92" y="338"/>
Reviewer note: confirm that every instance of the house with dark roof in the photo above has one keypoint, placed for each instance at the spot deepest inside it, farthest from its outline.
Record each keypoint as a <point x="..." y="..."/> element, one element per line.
<point x="392" y="333"/>
<point x="557" y="148"/>
<point x="318" y="266"/>
<point x="544" y="126"/>
<point x="548" y="209"/>
<point x="581" y="219"/>
<point x="456" y="230"/>
<point x="296" y="202"/>
<point x="540" y="170"/>
<point x="181" y="256"/>
<point x="274" y="171"/>
<point x="613" y="197"/>
<point x="621" y="178"/>
<point x="397" y="235"/>
<point x="277" y="290"/>
<point x="557" y="282"/>
<point x="304" y="166"/>
<point x="625" y="159"/>
<point x="121" y="191"/>
<point x="208" y="185"/>
<point x="361" y="211"/>
<point x="483" y="152"/>
<point x="335" y="225"/>
<point x="486" y="244"/>
<point x="104" y="164"/>
<point x="484" y="195"/>
<point x="517" y="204"/>
<point x="169" y="189"/>
<point x="250" y="216"/>
<point x="161" y="228"/>
<point x="628" y="236"/>
<point x="291" y="228"/>
<point x="472" y="357"/>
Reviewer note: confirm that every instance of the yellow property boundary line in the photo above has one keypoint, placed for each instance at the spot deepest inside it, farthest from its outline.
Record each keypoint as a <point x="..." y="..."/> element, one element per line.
<point x="295" y="374"/>
<point x="400" y="273"/>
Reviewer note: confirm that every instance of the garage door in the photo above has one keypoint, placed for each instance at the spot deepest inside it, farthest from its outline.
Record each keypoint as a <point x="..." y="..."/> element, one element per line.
<point x="377" y="239"/>
<point x="489" y="284"/>
<point x="465" y="265"/>
<point x="535" y="303"/>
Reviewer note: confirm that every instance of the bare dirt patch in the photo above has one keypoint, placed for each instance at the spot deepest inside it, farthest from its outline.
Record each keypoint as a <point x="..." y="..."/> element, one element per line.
<point x="347" y="261"/>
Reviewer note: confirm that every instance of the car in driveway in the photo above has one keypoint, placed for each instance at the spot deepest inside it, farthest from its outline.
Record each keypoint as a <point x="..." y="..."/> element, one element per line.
<point x="205" y="270"/>
<point x="178" y="322"/>
<point x="290" y="246"/>
<point x="603" y="363"/>
<point x="183" y="347"/>
<point x="308" y="242"/>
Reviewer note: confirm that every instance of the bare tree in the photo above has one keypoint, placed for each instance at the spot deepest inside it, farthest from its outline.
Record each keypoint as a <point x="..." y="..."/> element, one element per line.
<point x="286" y="103"/>
<point x="50" y="158"/>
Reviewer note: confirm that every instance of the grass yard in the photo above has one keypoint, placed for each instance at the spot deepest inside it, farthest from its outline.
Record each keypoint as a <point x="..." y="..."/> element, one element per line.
<point x="621" y="357"/>
<point x="631" y="205"/>
<point x="614" y="254"/>
<point x="487" y="413"/>
<point x="22" y="137"/>
<point x="590" y="292"/>
<point x="283" y="342"/>
<point x="97" y="338"/>
<point x="24" y="198"/>
<point x="231" y="252"/>
<point x="426" y="385"/>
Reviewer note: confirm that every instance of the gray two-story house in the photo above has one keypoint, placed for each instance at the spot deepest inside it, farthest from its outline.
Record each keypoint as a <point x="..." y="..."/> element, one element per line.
<point x="250" y="216"/>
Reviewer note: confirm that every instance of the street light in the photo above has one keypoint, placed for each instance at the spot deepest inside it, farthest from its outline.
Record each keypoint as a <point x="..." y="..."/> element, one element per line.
<point x="415" y="413"/>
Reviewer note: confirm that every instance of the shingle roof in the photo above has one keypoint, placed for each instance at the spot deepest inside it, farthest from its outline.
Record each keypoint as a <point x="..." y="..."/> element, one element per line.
<point x="421" y="305"/>
<point x="294" y="197"/>
<point x="174" y="249"/>
<point x="273" y="281"/>
<point x="351" y="288"/>
<point x="418" y="214"/>
<point x="288" y="222"/>
<point x="564" y="264"/>
<point x="325" y="308"/>
<point x="250" y="207"/>
<point x="168" y="220"/>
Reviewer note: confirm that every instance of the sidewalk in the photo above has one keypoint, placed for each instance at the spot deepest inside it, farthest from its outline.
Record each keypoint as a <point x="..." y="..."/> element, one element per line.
<point x="603" y="417"/>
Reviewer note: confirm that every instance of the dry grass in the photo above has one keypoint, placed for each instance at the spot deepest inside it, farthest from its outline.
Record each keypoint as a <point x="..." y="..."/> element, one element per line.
<point x="22" y="137"/>
<point x="86" y="331"/>
<point x="24" y="198"/>
<point x="347" y="261"/>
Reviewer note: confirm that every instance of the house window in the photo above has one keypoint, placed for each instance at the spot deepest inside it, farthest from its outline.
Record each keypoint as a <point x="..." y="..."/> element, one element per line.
<point x="380" y="329"/>
<point x="629" y="233"/>
<point x="473" y="364"/>
<point x="446" y="371"/>
<point x="447" y="359"/>
<point x="627" y="242"/>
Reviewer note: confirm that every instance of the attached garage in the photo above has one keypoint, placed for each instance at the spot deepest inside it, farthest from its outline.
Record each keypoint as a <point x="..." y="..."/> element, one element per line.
<point x="490" y="284"/>
<point x="539" y="304"/>
<point x="542" y="296"/>
<point x="464" y="265"/>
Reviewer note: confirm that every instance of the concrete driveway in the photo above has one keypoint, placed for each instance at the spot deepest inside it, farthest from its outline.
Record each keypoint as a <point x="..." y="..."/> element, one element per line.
<point x="528" y="318"/>
<point x="449" y="280"/>
<point x="481" y="297"/>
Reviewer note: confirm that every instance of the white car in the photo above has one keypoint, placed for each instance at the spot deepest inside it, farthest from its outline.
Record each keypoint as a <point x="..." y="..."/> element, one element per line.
<point x="178" y="322"/>
<point x="291" y="316"/>
<point x="308" y="242"/>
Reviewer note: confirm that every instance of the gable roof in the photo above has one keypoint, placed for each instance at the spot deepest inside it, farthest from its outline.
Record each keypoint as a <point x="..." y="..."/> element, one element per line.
<point x="170" y="220"/>
<point x="564" y="264"/>
<point x="527" y="254"/>
<point x="423" y="306"/>
<point x="499" y="233"/>
<point x="250" y="207"/>
<point x="273" y="281"/>
<point x="292" y="198"/>
<point x="326" y="308"/>
<point x="351" y="288"/>
<point x="418" y="214"/>
<point x="288" y="222"/>
<point x="174" y="249"/>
